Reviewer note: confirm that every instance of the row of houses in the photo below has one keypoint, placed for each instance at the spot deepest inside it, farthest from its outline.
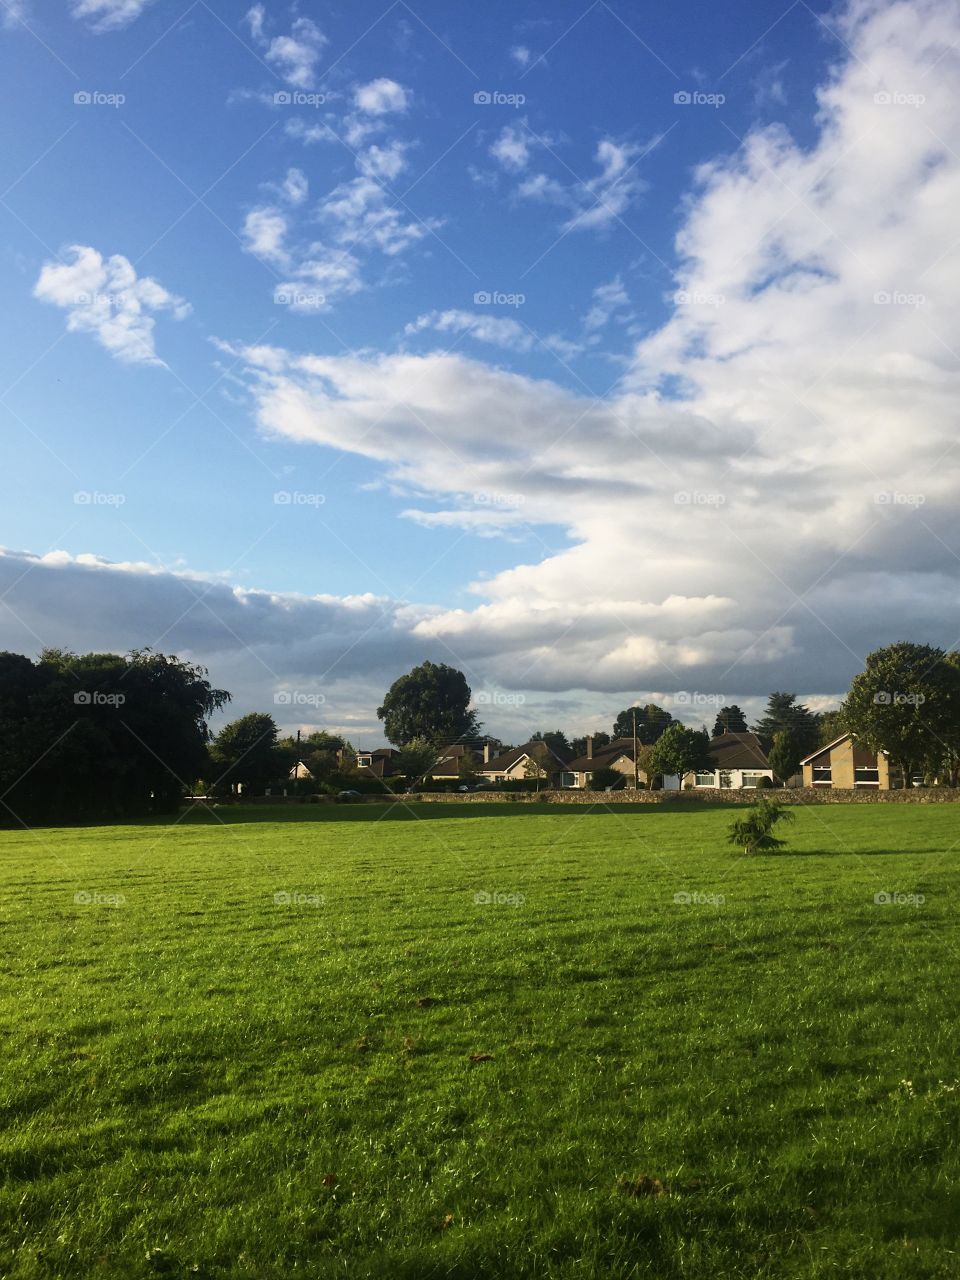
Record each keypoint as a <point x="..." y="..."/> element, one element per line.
<point x="739" y="761"/>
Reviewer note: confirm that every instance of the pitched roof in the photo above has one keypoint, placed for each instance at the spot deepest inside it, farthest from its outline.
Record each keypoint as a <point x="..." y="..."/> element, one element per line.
<point x="602" y="757"/>
<point x="538" y="749"/>
<point x="827" y="746"/>
<point x="738" y="751"/>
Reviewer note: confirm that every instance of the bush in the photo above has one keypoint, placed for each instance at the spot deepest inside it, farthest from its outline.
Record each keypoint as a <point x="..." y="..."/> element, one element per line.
<point x="764" y="784"/>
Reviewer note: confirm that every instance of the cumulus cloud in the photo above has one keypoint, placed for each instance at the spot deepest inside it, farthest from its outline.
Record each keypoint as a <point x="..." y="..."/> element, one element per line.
<point x="771" y="490"/>
<point x="13" y="12"/>
<point x="294" y="56"/>
<point x="512" y="148"/>
<point x="108" y="15"/>
<point x="381" y="97"/>
<point x="105" y="297"/>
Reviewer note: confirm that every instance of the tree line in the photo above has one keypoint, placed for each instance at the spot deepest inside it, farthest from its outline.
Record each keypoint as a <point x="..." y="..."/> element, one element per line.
<point x="92" y="736"/>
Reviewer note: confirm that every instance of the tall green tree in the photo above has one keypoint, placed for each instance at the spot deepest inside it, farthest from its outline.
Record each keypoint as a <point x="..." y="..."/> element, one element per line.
<point x="578" y="746"/>
<point x="246" y="752"/>
<point x="830" y="726"/>
<point x="87" y="736"/>
<point x="433" y="702"/>
<point x="651" y="723"/>
<point x="784" y="755"/>
<point x="784" y="713"/>
<point x="906" y="702"/>
<point x="680" y="750"/>
<point x="729" y="720"/>
<point x="556" y="740"/>
<point x="415" y="758"/>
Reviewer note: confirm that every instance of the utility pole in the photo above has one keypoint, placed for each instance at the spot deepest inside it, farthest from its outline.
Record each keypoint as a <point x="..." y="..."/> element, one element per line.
<point x="636" y="763"/>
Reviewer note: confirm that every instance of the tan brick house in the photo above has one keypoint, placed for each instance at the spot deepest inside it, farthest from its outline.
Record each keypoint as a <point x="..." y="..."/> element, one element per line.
<point x="844" y="764"/>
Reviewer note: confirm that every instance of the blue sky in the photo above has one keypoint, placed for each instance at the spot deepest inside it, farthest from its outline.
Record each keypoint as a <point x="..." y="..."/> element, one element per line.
<point x="255" y="188"/>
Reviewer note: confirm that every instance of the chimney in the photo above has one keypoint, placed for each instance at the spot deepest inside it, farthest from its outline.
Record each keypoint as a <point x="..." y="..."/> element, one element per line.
<point x="486" y="753"/>
<point x="589" y="746"/>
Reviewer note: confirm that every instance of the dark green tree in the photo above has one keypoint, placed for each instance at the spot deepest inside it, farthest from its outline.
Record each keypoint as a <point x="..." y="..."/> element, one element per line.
<point x="556" y="740"/>
<point x="729" y="720"/>
<point x="246" y="752"/>
<point x="604" y="777"/>
<point x="415" y="759"/>
<point x="433" y="702"/>
<point x="753" y="832"/>
<point x="100" y="735"/>
<point x="830" y="726"/>
<point x="578" y="746"/>
<point x="651" y="722"/>
<point x="680" y="750"/>
<point x="785" y="713"/>
<point x="784" y="756"/>
<point x="907" y="702"/>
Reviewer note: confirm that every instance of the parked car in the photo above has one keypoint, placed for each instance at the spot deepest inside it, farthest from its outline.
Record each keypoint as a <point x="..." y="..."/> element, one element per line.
<point x="349" y="796"/>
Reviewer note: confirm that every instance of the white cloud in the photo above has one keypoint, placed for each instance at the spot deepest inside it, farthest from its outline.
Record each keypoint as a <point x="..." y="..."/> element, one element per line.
<point x="13" y="12"/>
<point x="106" y="297"/>
<point x="594" y="203"/>
<point x="499" y="331"/>
<point x="264" y="234"/>
<point x="520" y="54"/>
<point x="512" y="148"/>
<point x="295" y="56"/>
<point x="108" y="15"/>
<point x="608" y="299"/>
<point x="295" y="186"/>
<point x="797" y="501"/>
<point x="381" y="97"/>
<point x="255" y="20"/>
<point x="386" y="162"/>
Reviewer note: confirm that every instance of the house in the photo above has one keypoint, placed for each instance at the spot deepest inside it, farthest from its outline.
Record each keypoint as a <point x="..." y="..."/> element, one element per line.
<point x="452" y="761"/>
<point x="299" y="771"/>
<point x="511" y="766"/>
<point x="616" y="755"/>
<point x="378" y="763"/>
<point x="739" y="761"/>
<point x="844" y="764"/>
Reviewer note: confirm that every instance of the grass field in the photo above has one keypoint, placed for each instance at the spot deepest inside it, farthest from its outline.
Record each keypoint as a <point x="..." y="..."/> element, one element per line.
<point x="294" y="1044"/>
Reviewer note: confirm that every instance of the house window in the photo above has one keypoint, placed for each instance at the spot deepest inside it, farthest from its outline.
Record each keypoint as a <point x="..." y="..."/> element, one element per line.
<point x="587" y="777"/>
<point x="864" y="776"/>
<point x="752" y="779"/>
<point x="568" y="779"/>
<point x="822" y="774"/>
<point x="706" y="780"/>
<point x="364" y="761"/>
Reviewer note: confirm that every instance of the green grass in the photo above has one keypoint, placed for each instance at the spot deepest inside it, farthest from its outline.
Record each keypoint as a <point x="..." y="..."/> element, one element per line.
<point x="262" y="1089"/>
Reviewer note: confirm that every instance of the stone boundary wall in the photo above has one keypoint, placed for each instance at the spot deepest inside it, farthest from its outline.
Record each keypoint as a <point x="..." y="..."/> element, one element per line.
<point x="710" y="795"/>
